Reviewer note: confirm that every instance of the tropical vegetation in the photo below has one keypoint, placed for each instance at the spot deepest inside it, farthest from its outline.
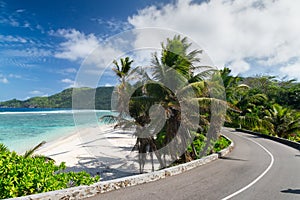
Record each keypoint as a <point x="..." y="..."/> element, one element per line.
<point x="263" y="103"/>
<point x="176" y="90"/>
<point x="27" y="174"/>
<point x="176" y="78"/>
<point x="64" y="99"/>
<point x="177" y="108"/>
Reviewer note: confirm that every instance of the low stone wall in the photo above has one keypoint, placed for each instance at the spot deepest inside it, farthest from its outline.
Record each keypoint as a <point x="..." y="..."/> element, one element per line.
<point x="106" y="186"/>
<point x="295" y="145"/>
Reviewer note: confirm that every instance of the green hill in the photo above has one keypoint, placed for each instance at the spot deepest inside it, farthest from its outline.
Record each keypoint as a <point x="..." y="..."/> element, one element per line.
<point x="64" y="99"/>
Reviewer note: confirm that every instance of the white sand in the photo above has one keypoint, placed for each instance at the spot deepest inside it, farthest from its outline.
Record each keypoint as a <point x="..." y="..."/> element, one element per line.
<point x="97" y="150"/>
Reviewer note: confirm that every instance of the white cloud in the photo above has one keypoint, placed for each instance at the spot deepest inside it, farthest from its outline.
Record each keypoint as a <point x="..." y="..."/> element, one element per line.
<point x="232" y="31"/>
<point x="14" y="76"/>
<point x="66" y="80"/>
<point x="28" y="52"/>
<point x="70" y="70"/>
<point x="77" y="45"/>
<point x="71" y="83"/>
<point x="67" y="71"/>
<point x="239" y="66"/>
<point x="3" y="79"/>
<point x="293" y="70"/>
<point x="113" y="24"/>
<point x="10" y="38"/>
<point x="35" y="92"/>
<point x="20" y="10"/>
<point x="101" y="57"/>
<point x="94" y="54"/>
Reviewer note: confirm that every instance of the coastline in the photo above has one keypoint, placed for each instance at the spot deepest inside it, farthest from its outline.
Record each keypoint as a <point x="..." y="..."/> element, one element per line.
<point x="98" y="150"/>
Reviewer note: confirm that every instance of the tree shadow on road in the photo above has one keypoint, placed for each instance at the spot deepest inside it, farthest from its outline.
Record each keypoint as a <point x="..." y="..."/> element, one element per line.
<point x="230" y="158"/>
<point x="292" y="191"/>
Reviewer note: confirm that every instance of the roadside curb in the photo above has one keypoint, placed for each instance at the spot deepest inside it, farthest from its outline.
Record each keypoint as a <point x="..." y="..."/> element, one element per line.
<point x="295" y="145"/>
<point x="106" y="186"/>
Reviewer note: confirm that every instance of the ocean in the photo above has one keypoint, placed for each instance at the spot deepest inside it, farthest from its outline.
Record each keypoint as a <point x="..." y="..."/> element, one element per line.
<point x="23" y="128"/>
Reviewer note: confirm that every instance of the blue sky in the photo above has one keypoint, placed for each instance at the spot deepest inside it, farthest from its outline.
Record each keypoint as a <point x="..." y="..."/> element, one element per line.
<point x="29" y="40"/>
<point x="43" y="43"/>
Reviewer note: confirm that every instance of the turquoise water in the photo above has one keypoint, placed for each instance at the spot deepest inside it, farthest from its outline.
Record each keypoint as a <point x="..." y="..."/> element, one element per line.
<point x="22" y="129"/>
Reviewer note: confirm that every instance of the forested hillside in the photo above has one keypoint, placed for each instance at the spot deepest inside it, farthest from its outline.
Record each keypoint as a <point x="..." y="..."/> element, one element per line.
<point x="64" y="99"/>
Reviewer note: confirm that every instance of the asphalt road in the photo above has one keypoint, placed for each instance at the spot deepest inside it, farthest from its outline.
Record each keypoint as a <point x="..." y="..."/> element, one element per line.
<point x="257" y="168"/>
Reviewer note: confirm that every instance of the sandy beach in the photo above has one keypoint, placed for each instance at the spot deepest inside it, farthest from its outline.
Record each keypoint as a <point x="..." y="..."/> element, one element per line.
<point x="99" y="150"/>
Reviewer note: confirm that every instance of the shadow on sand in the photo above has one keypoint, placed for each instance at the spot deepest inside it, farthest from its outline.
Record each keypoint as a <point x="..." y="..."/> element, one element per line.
<point x="97" y="166"/>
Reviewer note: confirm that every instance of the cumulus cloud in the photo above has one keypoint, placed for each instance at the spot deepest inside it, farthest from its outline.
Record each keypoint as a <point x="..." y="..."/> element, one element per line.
<point x="232" y="31"/>
<point x="77" y="45"/>
<point x="239" y="66"/>
<point x="70" y="83"/>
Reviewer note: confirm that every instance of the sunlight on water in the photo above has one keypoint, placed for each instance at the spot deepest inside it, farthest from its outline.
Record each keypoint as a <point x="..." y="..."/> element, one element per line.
<point x="21" y="129"/>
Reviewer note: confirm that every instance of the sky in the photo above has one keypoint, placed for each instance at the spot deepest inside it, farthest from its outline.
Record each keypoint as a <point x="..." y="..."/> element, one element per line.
<point x="46" y="46"/>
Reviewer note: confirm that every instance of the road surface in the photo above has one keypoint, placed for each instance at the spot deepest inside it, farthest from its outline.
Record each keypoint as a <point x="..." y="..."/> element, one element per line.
<point x="257" y="168"/>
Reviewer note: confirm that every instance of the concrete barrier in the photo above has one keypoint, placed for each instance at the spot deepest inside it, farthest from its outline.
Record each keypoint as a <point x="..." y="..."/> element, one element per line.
<point x="295" y="145"/>
<point x="106" y="186"/>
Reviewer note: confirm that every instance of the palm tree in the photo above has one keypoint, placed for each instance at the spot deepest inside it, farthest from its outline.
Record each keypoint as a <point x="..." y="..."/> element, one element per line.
<point x="233" y="86"/>
<point x="284" y="121"/>
<point x="122" y="72"/>
<point x="173" y="83"/>
<point x="175" y="70"/>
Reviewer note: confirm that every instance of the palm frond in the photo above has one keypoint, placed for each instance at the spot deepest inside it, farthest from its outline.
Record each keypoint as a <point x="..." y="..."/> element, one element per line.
<point x="3" y="148"/>
<point x="108" y="119"/>
<point x="30" y="152"/>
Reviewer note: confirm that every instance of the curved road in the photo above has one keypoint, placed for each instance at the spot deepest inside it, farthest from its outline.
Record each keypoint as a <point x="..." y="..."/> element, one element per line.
<point x="257" y="168"/>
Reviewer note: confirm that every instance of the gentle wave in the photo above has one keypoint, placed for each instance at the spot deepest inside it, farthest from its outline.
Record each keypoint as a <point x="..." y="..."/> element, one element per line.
<point x="52" y="112"/>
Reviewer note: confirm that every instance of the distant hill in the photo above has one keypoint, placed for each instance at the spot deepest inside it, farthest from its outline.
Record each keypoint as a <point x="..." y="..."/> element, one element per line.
<point x="64" y="99"/>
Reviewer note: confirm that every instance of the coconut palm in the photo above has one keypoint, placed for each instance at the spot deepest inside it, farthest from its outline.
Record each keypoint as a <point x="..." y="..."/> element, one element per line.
<point x="284" y="121"/>
<point x="176" y="68"/>
<point x="176" y="80"/>
<point x="233" y="86"/>
<point x="122" y="72"/>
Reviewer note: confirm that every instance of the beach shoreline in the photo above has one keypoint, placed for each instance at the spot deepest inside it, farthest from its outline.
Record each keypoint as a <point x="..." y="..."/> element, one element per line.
<point x="98" y="150"/>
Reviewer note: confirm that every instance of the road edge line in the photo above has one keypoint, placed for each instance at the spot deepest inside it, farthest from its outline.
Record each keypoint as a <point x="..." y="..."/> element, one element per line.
<point x="259" y="177"/>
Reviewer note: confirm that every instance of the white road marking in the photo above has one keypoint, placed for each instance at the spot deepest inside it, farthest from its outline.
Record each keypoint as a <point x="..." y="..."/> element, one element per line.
<point x="259" y="177"/>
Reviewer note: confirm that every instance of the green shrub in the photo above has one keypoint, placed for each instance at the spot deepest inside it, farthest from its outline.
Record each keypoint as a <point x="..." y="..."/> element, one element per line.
<point x="21" y="176"/>
<point x="221" y="143"/>
<point x="200" y="140"/>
